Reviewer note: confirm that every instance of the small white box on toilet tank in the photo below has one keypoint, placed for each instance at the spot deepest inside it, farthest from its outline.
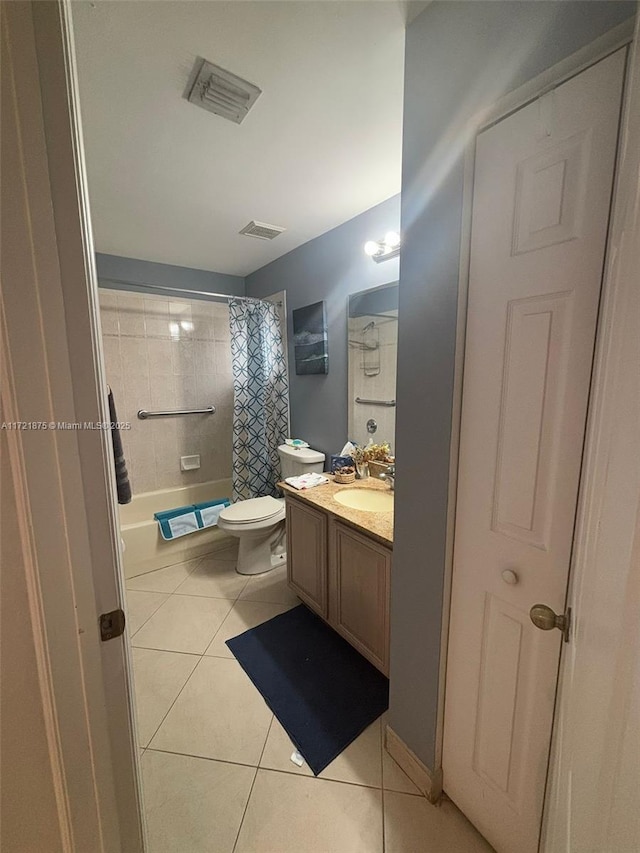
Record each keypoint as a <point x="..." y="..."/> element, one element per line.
<point x="302" y="461"/>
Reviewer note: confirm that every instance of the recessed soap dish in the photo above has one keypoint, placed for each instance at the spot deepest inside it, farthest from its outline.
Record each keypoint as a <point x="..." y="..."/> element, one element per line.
<point x="190" y="463"/>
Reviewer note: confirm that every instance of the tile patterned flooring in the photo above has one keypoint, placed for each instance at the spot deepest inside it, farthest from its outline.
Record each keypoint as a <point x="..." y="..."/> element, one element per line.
<point x="216" y="769"/>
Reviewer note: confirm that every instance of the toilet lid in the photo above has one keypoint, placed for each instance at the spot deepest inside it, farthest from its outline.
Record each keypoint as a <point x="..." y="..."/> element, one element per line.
<point x="254" y="509"/>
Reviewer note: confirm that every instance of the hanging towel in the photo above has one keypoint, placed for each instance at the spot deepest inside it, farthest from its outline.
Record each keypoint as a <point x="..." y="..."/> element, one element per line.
<point x="123" y="485"/>
<point x="178" y="522"/>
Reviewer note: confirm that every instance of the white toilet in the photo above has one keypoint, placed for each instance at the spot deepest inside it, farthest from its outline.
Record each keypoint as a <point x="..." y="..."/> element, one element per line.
<point x="258" y="523"/>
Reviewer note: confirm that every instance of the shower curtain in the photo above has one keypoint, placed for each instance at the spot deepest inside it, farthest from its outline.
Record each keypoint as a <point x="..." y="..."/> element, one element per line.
<point x="260" y="397"/>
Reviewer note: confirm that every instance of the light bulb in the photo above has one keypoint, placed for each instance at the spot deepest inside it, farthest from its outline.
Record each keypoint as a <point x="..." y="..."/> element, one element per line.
<point x="392" y="239"/>
<point x="371" y="248"/>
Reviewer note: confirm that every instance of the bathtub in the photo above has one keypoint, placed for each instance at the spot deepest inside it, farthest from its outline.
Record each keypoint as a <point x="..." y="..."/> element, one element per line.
<point x="146" y="550"/>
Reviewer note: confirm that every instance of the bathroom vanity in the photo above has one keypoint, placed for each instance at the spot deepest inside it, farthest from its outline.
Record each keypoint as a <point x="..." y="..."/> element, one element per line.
<point x="339" y="559"/>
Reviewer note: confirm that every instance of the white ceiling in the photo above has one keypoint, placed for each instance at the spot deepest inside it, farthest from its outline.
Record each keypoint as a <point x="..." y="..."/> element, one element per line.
<point x="173" y="183"/>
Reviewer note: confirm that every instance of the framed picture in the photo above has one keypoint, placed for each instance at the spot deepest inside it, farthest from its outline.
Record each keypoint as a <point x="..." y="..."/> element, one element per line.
<point x="310" y="339"/>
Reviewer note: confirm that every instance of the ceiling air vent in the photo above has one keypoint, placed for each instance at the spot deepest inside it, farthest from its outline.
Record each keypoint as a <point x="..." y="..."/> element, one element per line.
<point x="221" y="92"/>
<point x="261" y="230"/>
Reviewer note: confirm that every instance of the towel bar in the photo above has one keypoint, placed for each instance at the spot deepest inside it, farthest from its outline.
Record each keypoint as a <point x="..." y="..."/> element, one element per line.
<point x="376" y="402"/>
<point x="208" y="410"/>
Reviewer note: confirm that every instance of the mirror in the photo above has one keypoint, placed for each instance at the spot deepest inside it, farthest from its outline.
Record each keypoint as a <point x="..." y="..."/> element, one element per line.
<point x="373" y="345"/>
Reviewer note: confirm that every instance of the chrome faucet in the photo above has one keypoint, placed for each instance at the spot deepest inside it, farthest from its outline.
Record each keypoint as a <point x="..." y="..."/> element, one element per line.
<point x="390" y="475"/>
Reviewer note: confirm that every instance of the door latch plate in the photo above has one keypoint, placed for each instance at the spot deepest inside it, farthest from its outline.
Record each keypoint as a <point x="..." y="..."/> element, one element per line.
<point x="112" y="624"/>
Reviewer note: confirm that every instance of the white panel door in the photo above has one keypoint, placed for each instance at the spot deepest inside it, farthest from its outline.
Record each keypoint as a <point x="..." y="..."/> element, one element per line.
<point x="542" y="192"/>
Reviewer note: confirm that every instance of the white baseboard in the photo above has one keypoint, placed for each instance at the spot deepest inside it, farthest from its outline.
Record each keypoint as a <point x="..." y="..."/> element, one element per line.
<point x="430" y="783"/>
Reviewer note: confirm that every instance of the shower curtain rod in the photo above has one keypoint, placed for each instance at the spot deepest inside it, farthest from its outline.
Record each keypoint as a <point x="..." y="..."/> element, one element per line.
<point x="182" y="291"/>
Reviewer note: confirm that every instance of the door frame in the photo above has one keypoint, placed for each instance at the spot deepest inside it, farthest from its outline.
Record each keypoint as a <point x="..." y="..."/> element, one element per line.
<point x="606" y="558"/>
<point x="615" y="39"/>
<point x="93" y="537"/>
<point x="53" y="371"/>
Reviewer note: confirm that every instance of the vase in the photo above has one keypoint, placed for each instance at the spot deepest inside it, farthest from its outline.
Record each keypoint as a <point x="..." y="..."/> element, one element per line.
<point x="362" y="470"/>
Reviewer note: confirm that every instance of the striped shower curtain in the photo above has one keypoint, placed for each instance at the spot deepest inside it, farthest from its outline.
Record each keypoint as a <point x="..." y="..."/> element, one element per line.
<point x="260" y="397"/>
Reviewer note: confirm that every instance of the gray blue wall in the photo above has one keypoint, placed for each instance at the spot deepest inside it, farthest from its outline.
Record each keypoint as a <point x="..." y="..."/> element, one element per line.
<point x="330" y="267"/>
<point x="459" y="57"/>
<point x="132" y="271"/>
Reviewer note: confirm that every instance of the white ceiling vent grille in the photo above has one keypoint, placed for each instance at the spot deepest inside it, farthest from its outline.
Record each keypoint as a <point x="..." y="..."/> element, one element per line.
<point x="261" y="230"/>
<point x="222" y="92"/>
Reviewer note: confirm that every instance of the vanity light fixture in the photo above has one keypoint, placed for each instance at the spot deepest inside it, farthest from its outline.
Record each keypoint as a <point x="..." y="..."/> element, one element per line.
<point x="383" y="250"/>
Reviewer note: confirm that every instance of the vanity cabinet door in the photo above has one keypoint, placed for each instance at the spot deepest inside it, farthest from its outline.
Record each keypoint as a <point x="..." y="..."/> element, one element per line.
<point x="307" y="554"/>
<point x="360" y="578"/>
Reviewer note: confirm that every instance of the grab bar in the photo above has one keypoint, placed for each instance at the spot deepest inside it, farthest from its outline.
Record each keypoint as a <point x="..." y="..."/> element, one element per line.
<point x="208" y="410"/>
<point x="376" y="402"/>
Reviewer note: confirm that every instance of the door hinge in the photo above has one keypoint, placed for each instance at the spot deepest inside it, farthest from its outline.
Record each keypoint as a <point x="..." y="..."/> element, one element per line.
<point x="112" y="624"/>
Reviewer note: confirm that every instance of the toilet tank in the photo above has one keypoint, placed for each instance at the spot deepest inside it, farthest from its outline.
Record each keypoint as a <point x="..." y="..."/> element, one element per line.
<point x="302" y="461"/>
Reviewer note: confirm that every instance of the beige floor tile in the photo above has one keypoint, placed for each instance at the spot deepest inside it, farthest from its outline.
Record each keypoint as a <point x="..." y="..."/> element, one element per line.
<point x="229" y="553"/>
<point x="219" y="714"/>
<point x="360" y="762"/>
<point x="243" y="615"/>
<point x="394" y="778"/>
<point x="158" y="678"/>
<point x="193" y="805"/>
<point x="140" y="606"/>
<point x="272" y="587"/>
<point x="291" y="814"/>
<point x="184" y="623"/>
<point x="413" y="824"/>
<point x="214" y="577"/>
<point x="163" y="580"/>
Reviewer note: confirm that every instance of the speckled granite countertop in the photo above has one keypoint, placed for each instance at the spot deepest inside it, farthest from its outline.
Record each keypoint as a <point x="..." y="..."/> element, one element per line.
<point x="377" y="524"/>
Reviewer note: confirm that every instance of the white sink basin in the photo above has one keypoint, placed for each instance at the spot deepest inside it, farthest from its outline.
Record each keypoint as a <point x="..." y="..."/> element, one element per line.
<point x="369" y="500"/>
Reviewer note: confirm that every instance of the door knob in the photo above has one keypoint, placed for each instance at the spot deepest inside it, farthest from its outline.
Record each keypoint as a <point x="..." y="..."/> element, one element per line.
<point x="546" y="619"/>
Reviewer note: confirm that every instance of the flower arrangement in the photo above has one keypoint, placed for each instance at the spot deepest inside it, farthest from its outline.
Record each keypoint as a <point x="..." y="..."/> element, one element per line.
<point x="372" y="453"/>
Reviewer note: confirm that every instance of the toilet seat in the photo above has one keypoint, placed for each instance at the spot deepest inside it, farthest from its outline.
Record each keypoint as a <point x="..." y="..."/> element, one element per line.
<point x="251" y="511"/>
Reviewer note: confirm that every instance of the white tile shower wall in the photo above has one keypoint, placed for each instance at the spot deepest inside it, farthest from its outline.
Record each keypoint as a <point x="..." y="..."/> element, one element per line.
<point x="381" y="386"/>
<point x="169" y="354"/>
